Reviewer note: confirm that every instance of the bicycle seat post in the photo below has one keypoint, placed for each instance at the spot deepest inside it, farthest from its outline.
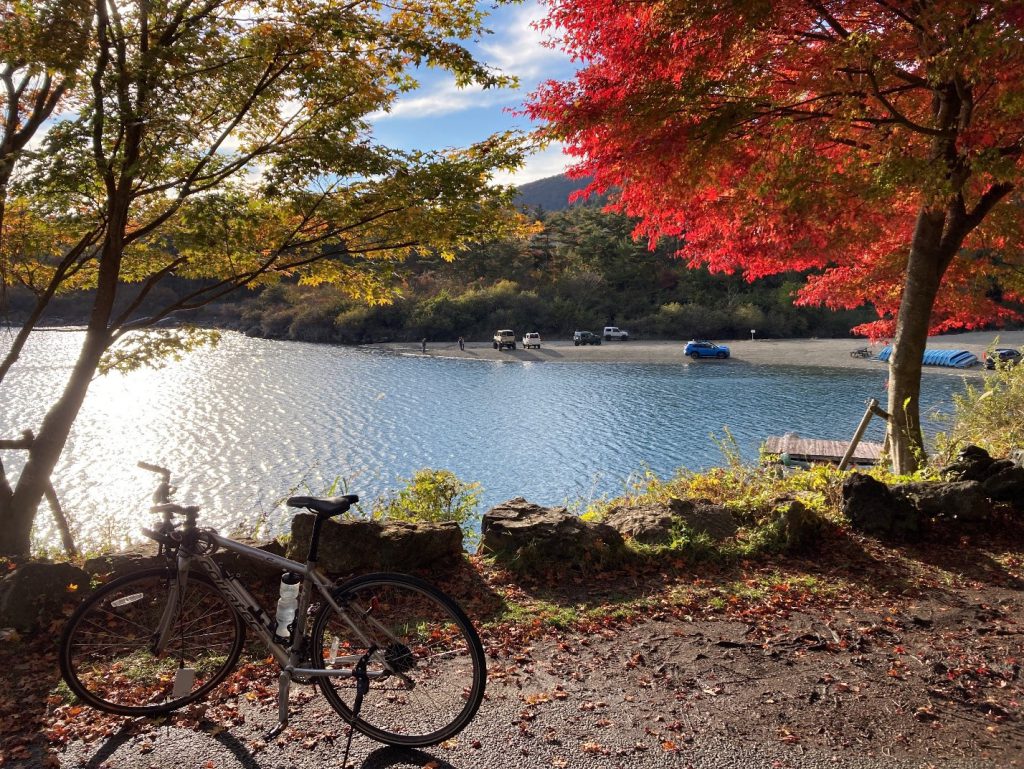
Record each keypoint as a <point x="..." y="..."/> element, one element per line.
<point x="284" y="681"/>
<point x="323" y="510"/>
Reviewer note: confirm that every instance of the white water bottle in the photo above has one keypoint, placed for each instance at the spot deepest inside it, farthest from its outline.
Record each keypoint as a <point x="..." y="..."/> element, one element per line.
<point x="287" y="603"/>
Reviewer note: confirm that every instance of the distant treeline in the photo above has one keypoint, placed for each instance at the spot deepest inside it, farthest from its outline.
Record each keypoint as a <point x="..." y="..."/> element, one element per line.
<point x="582" y="271"/>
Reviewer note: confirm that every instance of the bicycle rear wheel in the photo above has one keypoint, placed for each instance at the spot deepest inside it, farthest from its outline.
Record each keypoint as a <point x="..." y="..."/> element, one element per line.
<point x="106" y="649"/>
<point x="424" y="660"/>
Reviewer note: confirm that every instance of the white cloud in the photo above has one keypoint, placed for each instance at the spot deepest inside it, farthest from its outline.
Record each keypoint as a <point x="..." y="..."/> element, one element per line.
<point x="517" y="48"/>
<point x="443" y="99"/>
<point x="548" y="162"/>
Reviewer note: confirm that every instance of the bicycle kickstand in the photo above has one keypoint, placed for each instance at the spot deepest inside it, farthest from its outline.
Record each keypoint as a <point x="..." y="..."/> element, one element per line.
<point x="284" y="685"/>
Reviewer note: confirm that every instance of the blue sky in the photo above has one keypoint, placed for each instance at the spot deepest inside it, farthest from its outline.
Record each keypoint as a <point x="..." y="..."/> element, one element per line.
<point x="440" y="115"/>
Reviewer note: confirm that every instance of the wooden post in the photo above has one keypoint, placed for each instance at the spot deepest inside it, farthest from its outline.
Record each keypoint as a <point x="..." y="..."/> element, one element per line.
<point x="870" y="411"/>
<point x="25" y="443"/>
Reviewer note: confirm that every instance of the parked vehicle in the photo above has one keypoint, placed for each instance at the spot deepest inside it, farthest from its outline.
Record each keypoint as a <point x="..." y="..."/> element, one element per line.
<point x="614" y="332"/>
<point x="503" y="338"/>
<point x="701" y="348"/>
<point x="531" y="340"/>
<point x="585" y="337"/>
<point x="1006" y="355"/>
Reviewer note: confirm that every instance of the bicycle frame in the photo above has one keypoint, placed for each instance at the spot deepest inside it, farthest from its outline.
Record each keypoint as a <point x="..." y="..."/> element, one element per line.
<point x="253" y="614"/>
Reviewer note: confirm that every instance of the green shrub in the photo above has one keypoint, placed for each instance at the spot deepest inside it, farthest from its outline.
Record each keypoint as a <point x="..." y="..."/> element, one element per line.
<point x="431" y="496"/>
<point x="790" y="528"/>
<point x="990" y="415"/>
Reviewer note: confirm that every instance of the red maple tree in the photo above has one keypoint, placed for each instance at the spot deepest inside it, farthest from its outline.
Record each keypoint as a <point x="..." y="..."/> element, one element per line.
<point x="875" y="143"/>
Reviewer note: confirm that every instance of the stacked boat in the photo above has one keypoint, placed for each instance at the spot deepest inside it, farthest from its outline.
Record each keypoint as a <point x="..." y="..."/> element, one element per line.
<point x="948" y="358"/>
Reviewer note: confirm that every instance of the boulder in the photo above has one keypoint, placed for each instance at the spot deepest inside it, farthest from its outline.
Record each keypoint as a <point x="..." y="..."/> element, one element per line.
<point x="658" y="524"/>
<point x="1006" y="486"/>
<point x="961" y="501"/>
<point x="247" y="568"/>
<point x="797" y="528"/>
<point x="360" y="545"/>
<point x="700" y="517"/>
<point x="998" y="466"/>
<point x="535" y="536"/>
<point x="35" y="593"/>
<point x="872" y="508"/>
<point x="647" y="524"/>
<point x="115" y="565"/>
<point x="972" y="463"/>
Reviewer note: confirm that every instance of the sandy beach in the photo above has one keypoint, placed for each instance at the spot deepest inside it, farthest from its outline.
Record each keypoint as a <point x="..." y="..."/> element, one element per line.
<point x="833" y="353"/>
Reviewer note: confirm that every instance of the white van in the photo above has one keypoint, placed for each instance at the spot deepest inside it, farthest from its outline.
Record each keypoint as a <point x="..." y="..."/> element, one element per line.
<point x="614" y="332"/>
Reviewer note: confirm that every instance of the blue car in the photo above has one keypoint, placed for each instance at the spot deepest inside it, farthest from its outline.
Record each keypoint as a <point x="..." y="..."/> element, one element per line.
<point x="699" y="348"/>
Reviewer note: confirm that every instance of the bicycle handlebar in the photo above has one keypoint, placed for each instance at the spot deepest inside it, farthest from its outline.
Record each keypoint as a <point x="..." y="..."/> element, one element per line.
<point x="155" y="469"/>
<point x="162" y="495"/>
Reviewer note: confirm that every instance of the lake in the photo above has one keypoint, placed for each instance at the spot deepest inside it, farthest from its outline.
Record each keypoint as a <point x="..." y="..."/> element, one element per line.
<point x="248" y="423"/>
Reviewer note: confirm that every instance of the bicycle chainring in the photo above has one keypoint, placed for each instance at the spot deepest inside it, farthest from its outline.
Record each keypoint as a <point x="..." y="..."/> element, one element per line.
<point x="399" y="657"/>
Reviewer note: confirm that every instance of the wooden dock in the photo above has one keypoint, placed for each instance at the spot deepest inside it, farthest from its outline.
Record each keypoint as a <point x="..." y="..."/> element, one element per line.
<point x="818" y="450"/>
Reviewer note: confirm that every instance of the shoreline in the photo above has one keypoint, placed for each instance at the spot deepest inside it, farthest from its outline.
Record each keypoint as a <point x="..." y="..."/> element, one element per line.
<point x="813" y="353"/>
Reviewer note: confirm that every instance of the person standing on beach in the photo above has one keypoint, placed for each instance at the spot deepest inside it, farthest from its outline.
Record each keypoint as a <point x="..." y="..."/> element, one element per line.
<point x="423" y="345"/>
<point x="462" y="343"/>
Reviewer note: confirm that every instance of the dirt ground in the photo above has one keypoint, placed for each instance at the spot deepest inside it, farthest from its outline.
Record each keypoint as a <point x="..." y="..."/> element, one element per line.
<point x="833" y="353"/>
<point x="861" y="656"/>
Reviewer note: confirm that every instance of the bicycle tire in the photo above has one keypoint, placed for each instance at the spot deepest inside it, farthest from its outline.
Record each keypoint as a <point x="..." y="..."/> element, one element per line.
<point x="105" y="654"/>
<point x="432" y="643"/>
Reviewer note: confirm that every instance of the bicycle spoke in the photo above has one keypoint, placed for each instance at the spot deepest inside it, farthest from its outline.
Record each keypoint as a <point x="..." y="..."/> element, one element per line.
<point x="419" y="639"/>
<point x="107" y="656"/>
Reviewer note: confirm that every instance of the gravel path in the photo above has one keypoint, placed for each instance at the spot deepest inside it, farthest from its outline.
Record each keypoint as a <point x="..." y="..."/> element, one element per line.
<point x="661" y="693"/>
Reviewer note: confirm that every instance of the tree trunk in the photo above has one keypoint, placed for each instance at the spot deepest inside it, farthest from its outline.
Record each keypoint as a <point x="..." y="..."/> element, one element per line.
<point x="20" y="512"/>
<point x="925" y="267"/>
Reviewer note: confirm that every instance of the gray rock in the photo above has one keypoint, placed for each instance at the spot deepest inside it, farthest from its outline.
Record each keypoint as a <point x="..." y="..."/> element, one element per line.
<point x="972" y="463"/>
<point x="113" y="565"/>
<point x="872" y="508"/>
<point x="360" y="545"/>
<point x="247" y="568"/>
<point x="962" y="501"/>
<point x="798" y="528"/>
<point x="531" y="536"/>
<point x="1006" y="486"/>
<point x="35" y="593"/>
<point x="717" y="521"/>
<point x="647" y="524"/>
<point x="998" y="466"/>
<point x="658" y="524"/>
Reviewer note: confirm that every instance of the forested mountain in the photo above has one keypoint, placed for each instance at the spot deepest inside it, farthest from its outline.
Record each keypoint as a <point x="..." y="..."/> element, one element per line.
<point x="582" y="270"/>
<point x="550" y="194"/>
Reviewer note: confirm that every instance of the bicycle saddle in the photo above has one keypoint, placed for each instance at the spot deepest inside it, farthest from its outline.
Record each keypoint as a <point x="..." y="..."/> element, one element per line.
<point x="329" y="507"/>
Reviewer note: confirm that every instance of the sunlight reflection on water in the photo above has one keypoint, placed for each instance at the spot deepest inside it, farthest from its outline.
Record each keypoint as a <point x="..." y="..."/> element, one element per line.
<point x="247" y="423"/>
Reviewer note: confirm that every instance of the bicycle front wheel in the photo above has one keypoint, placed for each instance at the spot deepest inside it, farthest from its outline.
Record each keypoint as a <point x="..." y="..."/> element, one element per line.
<point x="107" y="650"/>
<point x="423" y="659"/>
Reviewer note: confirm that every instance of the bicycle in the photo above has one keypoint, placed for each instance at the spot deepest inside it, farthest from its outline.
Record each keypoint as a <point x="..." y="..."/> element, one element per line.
<point x="155" y="640"/>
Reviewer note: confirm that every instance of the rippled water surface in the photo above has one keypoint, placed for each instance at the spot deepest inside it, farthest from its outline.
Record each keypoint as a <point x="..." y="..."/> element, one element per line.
<point x="247" y="423"/>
